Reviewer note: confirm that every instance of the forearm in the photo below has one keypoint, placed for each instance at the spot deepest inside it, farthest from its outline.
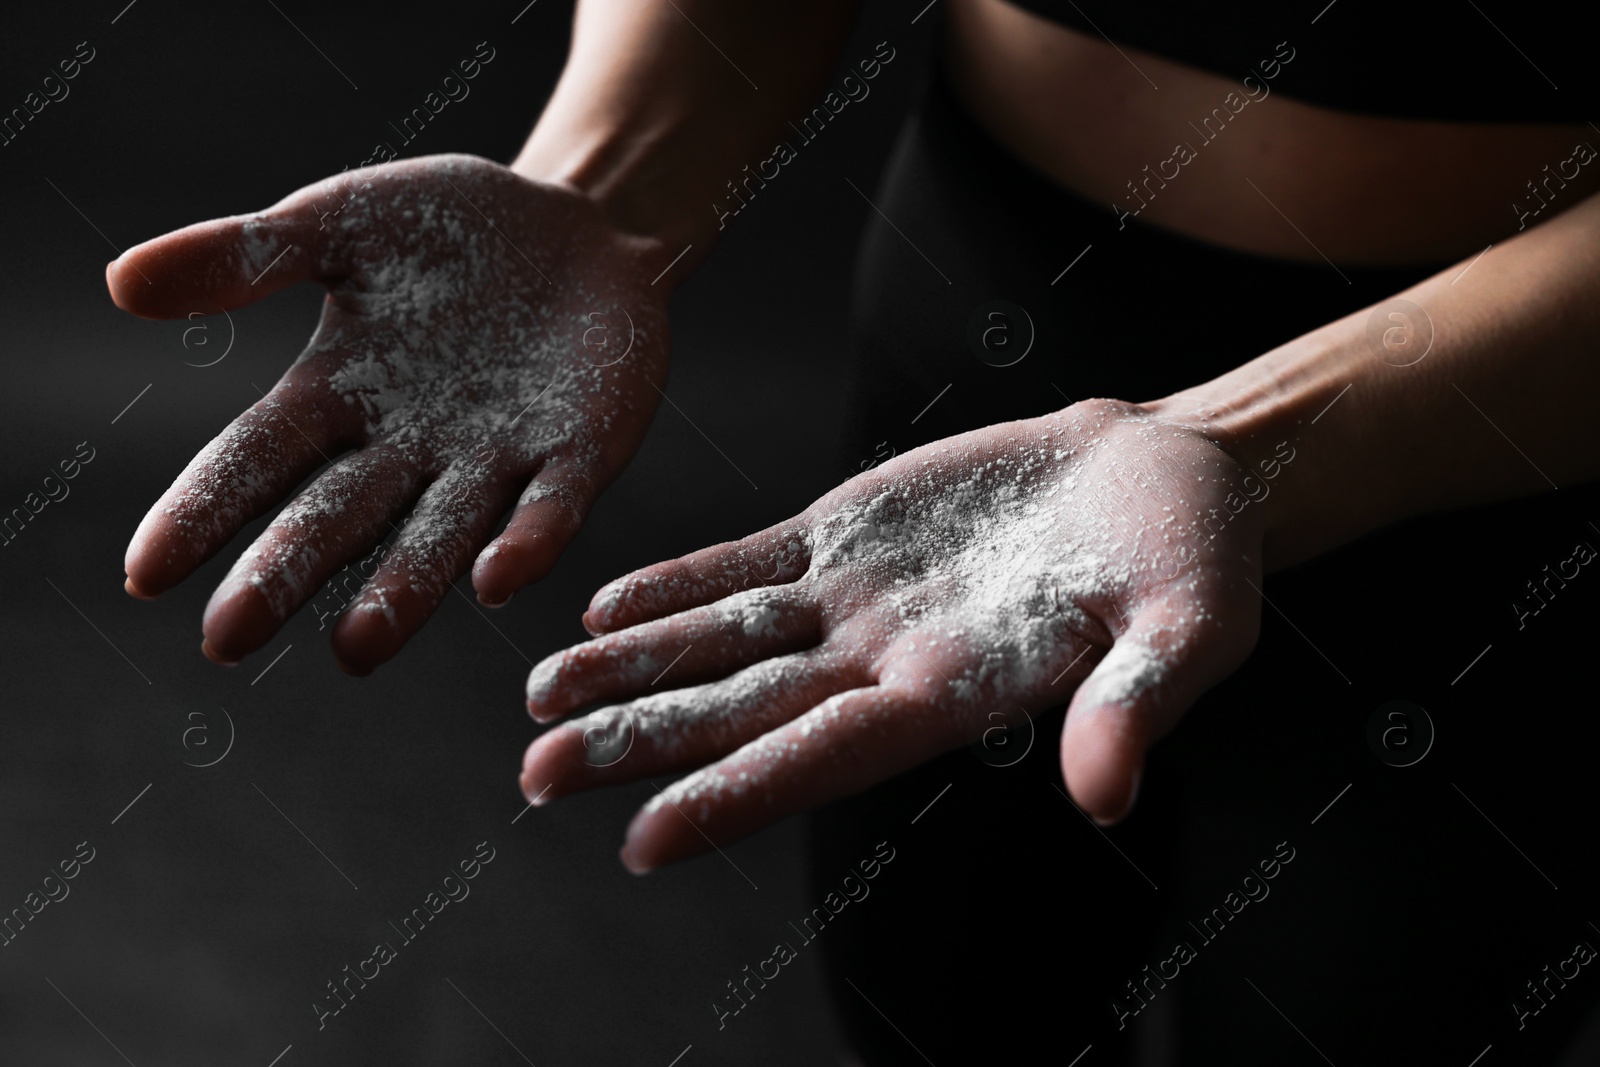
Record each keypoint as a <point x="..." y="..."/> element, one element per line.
<point x="1502" y="404"/>
<point x="662" y="104"/>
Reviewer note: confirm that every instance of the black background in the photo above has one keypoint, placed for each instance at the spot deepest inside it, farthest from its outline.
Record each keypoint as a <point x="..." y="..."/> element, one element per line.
<point x="206" y="924"/>
<point x="208" y="921"/>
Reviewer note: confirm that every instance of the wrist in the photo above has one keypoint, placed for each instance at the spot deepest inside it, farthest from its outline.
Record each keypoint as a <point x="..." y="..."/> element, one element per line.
<point x="642" y="167"/>
<point x="583" y="172"/>
<point x="1290" y="421"/>
<point x="636" y="193"/>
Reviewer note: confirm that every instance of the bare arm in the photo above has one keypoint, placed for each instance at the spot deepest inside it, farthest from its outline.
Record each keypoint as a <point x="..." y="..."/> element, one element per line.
<point x="452" y="375"/>
<point x="662" y="104"/>
<point x="1501" y="405"/>
<point x="1125" y="582"/>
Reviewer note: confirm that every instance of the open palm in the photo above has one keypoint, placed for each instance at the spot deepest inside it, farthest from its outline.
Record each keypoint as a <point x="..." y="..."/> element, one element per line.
<point x="951" y="593"/>
<point x="486" y="340"/>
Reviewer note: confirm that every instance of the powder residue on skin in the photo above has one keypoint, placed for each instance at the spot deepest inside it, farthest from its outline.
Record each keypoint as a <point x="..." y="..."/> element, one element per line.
<point x="758" y="620"/>
<point x="448" y="344"/>
<point x="672" y="723"/>
<point x="1130" y="670"/>
<point x="742" y="571"/>
<point x="978" y="570"/>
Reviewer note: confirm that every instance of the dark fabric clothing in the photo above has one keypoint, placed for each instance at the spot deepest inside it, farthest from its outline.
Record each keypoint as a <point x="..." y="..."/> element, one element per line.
<point x="1403" y="929"/>
<point x="1486" y="61"/>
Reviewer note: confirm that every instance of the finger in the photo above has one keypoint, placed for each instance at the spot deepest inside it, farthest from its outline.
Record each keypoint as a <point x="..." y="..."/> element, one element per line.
<point x="777" y="554"/>
<point x="229" y="262"/>
<point x="245" y="470"/>
<point x="548" y="516"/>
<point x="342" y="514"/>
<point x="847" y="743"/>
<point x="1172" y="652"/>
<point x="681" y="729"/>
<point x="697" y="645"/>
<point x="437" y="543"/>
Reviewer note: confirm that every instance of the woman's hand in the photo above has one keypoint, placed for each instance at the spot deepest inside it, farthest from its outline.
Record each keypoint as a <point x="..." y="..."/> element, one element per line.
<point x="1100" y="554"/>
<point x="487" y="340"/>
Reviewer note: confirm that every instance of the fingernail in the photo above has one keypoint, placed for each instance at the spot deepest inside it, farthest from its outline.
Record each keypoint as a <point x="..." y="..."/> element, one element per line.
<point x="351" y="670"/>
<point x="493" y="603"/>
<point x="212" y="655"/>
<point x="1133" y="798"/>
<point x="134" y="591"/>
<point x="541" y="714"/>
<point x="541" y="682"/>
<point x="604" y="604"/>
<point x="633" y="865"/>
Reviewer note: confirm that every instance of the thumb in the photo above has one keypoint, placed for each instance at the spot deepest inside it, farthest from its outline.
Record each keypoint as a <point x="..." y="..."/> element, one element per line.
<point x="233" y="261"/>
<point x="1173" y="651"/>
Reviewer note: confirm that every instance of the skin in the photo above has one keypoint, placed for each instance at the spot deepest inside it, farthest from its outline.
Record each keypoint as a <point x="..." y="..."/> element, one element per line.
<point x="1366" y="189"/>
<point x="871" y="666"/>
<point x="498" y="397"/>
<point x="644" y="129"/>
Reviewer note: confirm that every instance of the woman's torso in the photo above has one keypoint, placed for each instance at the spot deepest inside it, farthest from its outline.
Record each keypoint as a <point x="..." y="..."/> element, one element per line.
<point x="1405" y="170"/>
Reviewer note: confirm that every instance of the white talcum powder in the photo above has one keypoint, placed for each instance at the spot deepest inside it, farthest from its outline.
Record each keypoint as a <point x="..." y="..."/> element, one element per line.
<point x="979" y="574"/>
<point x="446" y="347"/>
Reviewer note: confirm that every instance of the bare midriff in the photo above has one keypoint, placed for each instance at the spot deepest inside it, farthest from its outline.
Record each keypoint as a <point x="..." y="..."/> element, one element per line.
<point x="1240" y="164"/>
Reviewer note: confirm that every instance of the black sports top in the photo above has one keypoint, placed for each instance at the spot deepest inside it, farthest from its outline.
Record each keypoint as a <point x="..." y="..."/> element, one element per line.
<point x="1462" y="60"/>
